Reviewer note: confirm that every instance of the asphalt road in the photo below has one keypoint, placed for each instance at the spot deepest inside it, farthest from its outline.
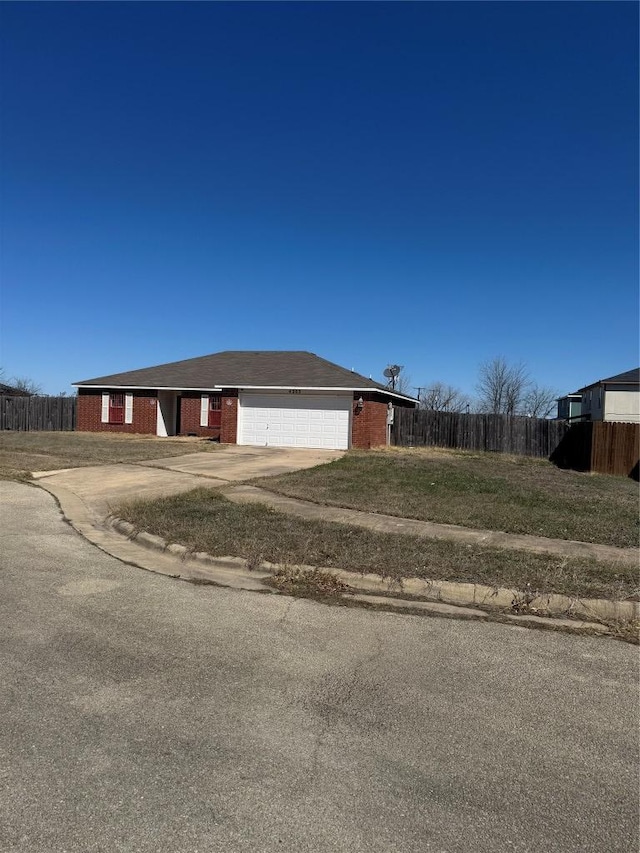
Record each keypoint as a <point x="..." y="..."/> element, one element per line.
<point x="141" y="713"/>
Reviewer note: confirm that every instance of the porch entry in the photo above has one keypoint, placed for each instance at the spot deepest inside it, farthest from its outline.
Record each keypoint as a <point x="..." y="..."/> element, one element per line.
<point x="167" y="410"/>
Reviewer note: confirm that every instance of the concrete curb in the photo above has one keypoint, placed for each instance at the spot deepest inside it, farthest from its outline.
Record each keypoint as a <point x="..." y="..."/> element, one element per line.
<point x="119" y="539"/>
<point x="149" y="552"/>
<point x="498" y="598"/>
<point x="451" y="612"/>
<point x="444" y="597"/>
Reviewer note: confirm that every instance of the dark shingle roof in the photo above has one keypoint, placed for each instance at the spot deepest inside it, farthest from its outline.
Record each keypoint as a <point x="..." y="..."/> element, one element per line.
<point x="10" y="391"/>
<point x="242" y="369"/>
<point x="629" y="377"/>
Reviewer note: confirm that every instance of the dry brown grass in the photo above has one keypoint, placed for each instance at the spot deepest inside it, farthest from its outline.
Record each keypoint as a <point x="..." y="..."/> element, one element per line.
<point x="23" y="452"/>
<point x="203" y="520"/>
<point x="514" y="494"/>
<point x="309" y="583"/>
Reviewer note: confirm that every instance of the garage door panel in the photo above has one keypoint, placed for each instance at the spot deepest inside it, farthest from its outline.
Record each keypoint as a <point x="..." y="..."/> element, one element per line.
<point x="300" y="420"/>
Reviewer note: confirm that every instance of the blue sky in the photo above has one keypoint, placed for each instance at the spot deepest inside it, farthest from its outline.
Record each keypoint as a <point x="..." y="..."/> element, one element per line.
<point x="429" y="184"/>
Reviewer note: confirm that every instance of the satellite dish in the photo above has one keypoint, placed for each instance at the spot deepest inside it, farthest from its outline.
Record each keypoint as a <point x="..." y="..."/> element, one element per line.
<point x="391" y="372"/>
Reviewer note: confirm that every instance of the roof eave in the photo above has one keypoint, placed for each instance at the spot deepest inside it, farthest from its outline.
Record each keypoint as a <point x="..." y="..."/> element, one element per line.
<point x="605" y="383"/>
<point x="360" y="389"/>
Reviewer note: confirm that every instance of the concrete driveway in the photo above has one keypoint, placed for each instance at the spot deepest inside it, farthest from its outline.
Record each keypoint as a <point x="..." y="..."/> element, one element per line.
<point x="102" y="487"/>
<point x="142" y="714"/>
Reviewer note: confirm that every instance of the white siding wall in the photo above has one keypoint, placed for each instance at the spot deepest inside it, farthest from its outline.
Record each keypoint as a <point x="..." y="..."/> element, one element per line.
<point x="591" y="406"/>
<point x="622" y="406"/>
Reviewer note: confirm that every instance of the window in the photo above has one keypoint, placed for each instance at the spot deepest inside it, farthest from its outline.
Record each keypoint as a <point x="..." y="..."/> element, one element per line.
<point x="116" y="408"/>
<point x="215" y="410"/>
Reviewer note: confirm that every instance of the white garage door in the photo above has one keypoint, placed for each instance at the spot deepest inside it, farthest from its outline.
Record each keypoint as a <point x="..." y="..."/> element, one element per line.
<point x="294" y="420"/>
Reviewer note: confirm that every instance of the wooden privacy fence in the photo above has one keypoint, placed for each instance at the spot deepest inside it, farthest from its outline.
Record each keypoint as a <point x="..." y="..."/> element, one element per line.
<point x="498" y="433"/>
<point x="37" y="413"/>
<point x="615" y="449"/>
<point x="604" y="448"/>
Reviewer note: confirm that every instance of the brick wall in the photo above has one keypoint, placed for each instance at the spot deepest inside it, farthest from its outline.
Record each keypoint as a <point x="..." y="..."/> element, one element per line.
<point x="229" y="429"/>
<point x="190" y="417"/>
<point x="369" y="423"/>
<point x="90" y="413"/>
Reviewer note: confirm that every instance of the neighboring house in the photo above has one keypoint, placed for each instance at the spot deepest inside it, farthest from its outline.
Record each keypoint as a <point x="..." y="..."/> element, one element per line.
<point x="275" y="398"/>
<point x="614" y="399"/>
<point x="10" y="391"/>
<point x="569" y="407"/>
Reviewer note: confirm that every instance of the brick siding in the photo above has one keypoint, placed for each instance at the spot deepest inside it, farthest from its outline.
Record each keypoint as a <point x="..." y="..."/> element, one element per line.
<point x="369" y="423"/>
<point x="89" y="415"/>
<point x="229" y="429"/>
<point x="190" y="417"/>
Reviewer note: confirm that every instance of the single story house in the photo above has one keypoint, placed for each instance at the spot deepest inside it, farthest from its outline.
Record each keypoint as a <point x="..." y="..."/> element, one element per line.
<point x="616" y="398"/>
<point x="273" y="398"/>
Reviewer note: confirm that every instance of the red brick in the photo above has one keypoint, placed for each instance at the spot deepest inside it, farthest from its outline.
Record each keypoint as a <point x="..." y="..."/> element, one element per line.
<point x="229" y="428"/>
<point x="190" y="417"/>
<point x="369" y="423"/>
<point x="144" y="413"/>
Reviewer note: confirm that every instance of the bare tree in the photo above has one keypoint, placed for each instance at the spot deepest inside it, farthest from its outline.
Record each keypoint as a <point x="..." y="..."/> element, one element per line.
<point x="539" y="401"/>
<point x="440" y="397"/>
<point x="22" y="383"/>
<point x="502" y="387"/>
<point x="403" y="384"/>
